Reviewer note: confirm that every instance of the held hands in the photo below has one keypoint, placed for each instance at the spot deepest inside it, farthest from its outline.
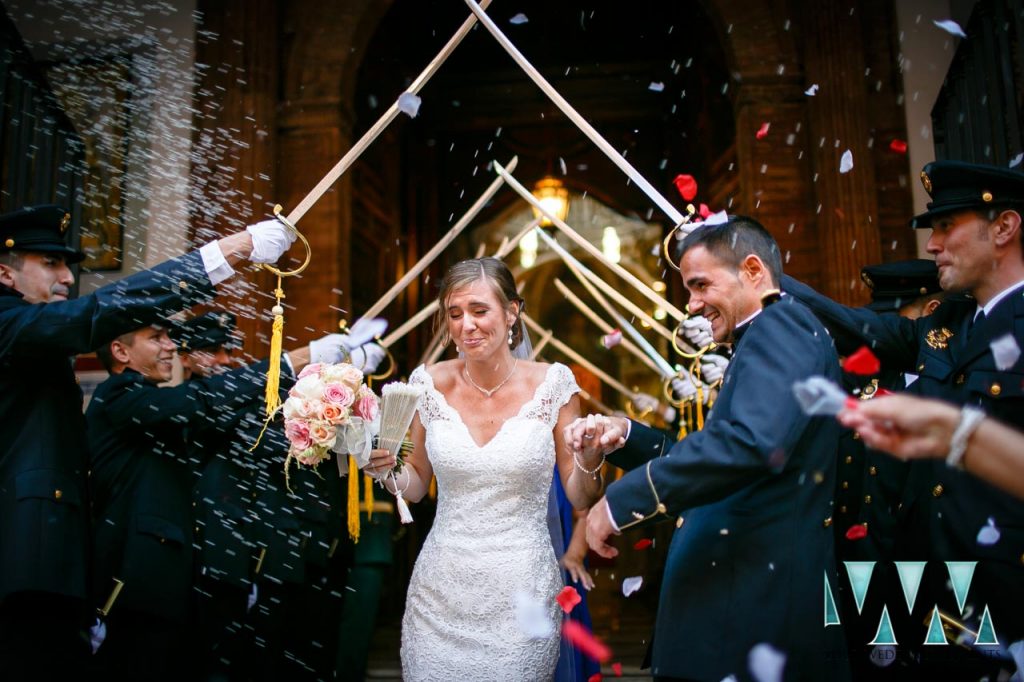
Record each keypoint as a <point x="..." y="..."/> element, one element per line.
<point x="595" y="436"/>
<point x="697" y="331"/>
<point x="270" y="240"/>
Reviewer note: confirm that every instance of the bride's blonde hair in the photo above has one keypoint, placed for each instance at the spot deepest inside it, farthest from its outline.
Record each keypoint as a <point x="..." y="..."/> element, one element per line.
<point x="472" y="270"/>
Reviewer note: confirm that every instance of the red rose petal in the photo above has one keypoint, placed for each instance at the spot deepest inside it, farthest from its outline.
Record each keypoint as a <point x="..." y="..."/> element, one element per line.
<point x="568" y="598"/>
<point x="585" y="641"/>
<point x="617" y="669"/>
<point x="643" y="544"/>
<point x="687" y="186"/>
<point x="704" y="211"/>
<point x="862" y="362"/>
<point x="762" y="132"/>
<point x="882" y="392"/>
<point x="596" y="677"/>
<point x="898" y="146"/>
<point x="857" y="532"/>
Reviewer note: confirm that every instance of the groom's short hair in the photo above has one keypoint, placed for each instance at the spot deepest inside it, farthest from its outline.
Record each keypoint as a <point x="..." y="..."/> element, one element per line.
<point x="734" y="240"/>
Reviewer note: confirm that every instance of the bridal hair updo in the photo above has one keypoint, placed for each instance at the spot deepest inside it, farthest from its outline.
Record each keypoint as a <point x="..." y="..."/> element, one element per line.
<point x="468" y="271"/>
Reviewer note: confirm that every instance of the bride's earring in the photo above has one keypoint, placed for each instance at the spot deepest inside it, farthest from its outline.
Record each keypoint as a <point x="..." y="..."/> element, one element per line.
<point x="510" y="336"/>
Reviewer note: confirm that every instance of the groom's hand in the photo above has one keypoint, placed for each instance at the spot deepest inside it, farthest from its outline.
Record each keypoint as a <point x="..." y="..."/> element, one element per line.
<point x="599" y="528"/>
<point x="594" y="436"/>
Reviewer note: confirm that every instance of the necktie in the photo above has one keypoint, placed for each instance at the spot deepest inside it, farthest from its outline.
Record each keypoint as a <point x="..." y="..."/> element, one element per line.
<point x="978" y="320"/>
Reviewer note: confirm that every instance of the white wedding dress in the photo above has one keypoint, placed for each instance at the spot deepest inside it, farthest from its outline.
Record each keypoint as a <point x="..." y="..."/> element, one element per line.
<point x="489" y="545"/>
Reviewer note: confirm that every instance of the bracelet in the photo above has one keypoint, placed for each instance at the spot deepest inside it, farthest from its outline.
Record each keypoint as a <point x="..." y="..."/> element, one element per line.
<point x="970" y="419"/>
<point x="594" y="472"/>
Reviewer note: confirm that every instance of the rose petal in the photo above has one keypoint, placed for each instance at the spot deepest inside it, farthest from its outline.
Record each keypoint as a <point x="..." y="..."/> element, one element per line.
<point x="863" y="362"/>
<point x="656" y="86"/>
<point x="857" y="532"/>
<point x="1005" y="351"/>
<point x="717" y="218"/>
<point x="819" y="397"/>
<point x="846" y="162"/>
<point x="596" y="677"/>
<point x="762" y="132"/>
<point x="612" y="340"/>
<point x="766" y="663"/>
<point x="631" y="585"/>
<point x="409" y="104"/>
<point x="950" y="27"/>
<point x="568" y="598"/>
<point x="617" y="669"/>
<point x="585" y="641"/>
<point x="687" y="186"/>
<point x="989" y="534"/>
<point x="704" y="211"/>
<point x="811" y="91"/>
<point x="1015" y="161"/>
<point x="898" y="146"/>
<point x="643" y="544"/>
<point x="518" y="19"/>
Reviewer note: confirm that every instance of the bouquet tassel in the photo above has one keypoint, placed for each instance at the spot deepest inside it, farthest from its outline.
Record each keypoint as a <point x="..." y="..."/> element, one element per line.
<point x="353" y="499"/>
<point x="403" y="508"/>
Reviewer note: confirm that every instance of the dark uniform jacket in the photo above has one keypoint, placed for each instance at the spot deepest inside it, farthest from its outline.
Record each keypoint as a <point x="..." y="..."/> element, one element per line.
<point x="44" y="532"/>
<point x="955" y="505"/>
<point x="754" y="491"/>
<point x="142" y="482"/>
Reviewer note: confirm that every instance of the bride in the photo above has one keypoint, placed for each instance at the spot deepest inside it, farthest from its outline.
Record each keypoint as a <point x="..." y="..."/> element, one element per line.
<point x="489" y="426"/>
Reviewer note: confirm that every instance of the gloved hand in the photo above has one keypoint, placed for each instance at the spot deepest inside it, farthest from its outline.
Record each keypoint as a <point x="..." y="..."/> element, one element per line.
<point x="712" y="367"/>
<point x="329" y="349"/>
<point x="368" y="357"/>
<point x="97" y="633"/>
<point x="643" y="402"/>
<point x="270" y="239"/>
<point x="686" y="390"/>
<point x="697" y="331"/>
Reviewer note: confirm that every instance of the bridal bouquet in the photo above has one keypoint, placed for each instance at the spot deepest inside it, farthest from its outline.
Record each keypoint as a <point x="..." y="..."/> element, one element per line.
<point x="330" y="408"/>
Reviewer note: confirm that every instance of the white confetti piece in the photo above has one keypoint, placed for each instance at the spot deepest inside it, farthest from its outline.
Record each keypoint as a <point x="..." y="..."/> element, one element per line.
<point x="409" y="104"/>
<point x="631" y="585"/>
<point x="1015" y="161"/>
<point x="518" y="19"/>
<point x="846" y="162"/>
<point x="1005" y="351"/>
<point x="989" y="534"/>
<point x="950" y="27"/>
<point x="811" y="91"/>
<point x="717" y="218"/>
<point x="532" y="617"/>
<point x="656" y="86"/>
<point x="819" y="397"/>
<point x="766" y="663"/>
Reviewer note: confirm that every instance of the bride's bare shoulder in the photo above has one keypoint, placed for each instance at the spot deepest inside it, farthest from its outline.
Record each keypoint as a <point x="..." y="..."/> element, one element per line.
<point x="535" y="370"/>
<point x="443" y="373"/>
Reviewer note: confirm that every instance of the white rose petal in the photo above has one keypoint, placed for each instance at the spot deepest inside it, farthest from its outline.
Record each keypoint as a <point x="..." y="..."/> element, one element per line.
<point x="951" y="27"/>
<point x="1005" y="351"/>
<point x="811" y="91"/>
<point x="989" y="534"/>
<point x="846" y="162"/>
<point x="717" y="218"/>
<point x="656" y="86"/>
<point x="409" y="104"/>
<point x="532" y="617"/>
<point x="766" y="663"/>
<point x="518" y="19"/>
<point x="631" y="585"/>
<point x="1015" y="161"/>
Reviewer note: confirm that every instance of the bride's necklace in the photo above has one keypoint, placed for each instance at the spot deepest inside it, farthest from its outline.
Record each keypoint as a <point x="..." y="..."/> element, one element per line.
<point x="492" y="391"/>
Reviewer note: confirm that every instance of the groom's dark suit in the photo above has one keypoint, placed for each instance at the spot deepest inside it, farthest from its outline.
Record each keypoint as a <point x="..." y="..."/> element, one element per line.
<point x="753" y="493"/>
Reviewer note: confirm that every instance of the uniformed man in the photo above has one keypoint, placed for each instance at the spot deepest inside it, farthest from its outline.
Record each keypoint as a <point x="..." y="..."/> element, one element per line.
<point x="44" y="531"/>
<point x="975" y="216"/>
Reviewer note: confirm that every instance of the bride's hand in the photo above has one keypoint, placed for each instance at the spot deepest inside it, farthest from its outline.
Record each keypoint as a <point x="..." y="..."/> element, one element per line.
<point x="381" y="462"/>
<point x="572" y="561"/>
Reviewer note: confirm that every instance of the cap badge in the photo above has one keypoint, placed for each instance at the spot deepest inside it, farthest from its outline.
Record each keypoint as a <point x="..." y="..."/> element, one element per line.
<point x="986" y="196"/>
<point x="926" y="181"/>
<point x="64" y="222"/>
<point x="938" y="338"/>
<point x="9" y="243"/>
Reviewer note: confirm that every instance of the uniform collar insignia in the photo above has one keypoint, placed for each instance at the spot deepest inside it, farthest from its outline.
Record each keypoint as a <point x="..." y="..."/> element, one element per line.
<point x="869" y="391"/>
<point x="926" y="181"/>
<point x="939" y="338"/>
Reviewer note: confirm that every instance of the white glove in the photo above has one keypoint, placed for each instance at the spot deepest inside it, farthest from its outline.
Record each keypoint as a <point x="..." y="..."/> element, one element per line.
<point x="368" y="357"/>
<point x="697" y="331"/>
<point x="328" y="350"/>
<point x="643" y="402"/>
<point x="685" y="389"/>
<point x="712" y="367"/>
<point x="97" y="633"/>
<point x="270" y="239"/>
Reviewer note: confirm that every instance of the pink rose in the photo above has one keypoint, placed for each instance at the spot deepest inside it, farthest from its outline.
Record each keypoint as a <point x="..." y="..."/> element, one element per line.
<point x="351" y="376"/>
<point x="297" y="433"/>
<point x="339" y="394"/>
<point x="366" y="407"/>
<point x="322" y="433"/>
<point x="311" y="456"/>
<point x="310" y="369"/>
<point x="332" y="412"/>
<point x="300" y="408"/>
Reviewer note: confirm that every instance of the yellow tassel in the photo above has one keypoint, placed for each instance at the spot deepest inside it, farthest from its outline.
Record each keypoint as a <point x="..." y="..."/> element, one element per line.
<point x="368" y="495"/>
<point x="273" y="397"/>
<point x="699" y="407"/>
<point x="432" y="491"/>
<point x="353" y="499"/>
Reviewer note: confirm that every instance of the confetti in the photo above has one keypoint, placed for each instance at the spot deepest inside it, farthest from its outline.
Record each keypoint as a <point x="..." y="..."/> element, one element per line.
<point x="596" y="677"/>
<point x="687" y="186"/>
<point x="862" y="362"/>
<point x="704" y="211"/>
<point x="989" y="534"/>
<point x="846" y="162"/>
<point x="1005" y="351"/>
<point x="766" y="663"/>
<point x="898" y="146"/>
<point x="1015" y="161"/>
<point x="643" y="544"/>
<point x="656" y="86"/>
<point x="612" y="340"/>
<point x="950" y="27"/>
<point x="568" y="598"/>
<point x="617" y="669"/>
<point x="409" y="104"/>
<point x="631" y="585"/>
<point x="585" y="641"/>
<point x="719" y="218"/>
<point x="762" y="132"/>
<point x="518" y="19"/>
<point x="857" y="532"/>
<point x="819" y="397"/>
<point x="532" y="617"/>
<point x="811" y="91"/>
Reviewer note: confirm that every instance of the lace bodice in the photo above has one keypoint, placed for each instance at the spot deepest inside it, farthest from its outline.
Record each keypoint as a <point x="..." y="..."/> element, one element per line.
<point x="489" y="543"/>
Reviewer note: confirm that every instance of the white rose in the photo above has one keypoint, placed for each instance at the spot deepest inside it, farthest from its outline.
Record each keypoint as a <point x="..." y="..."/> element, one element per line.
<point x="309" y="387"/>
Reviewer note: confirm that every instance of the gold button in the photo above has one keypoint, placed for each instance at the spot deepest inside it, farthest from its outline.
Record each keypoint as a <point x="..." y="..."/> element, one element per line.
<point x="828" y="522"/>
<point x="57" y="494"/>
<point x="920" y="367"/>
<point x="849" y="459"/>
<point x="163" y="541"/>
<point x="986" y="197"/>
<point x="995" y="388"/>
<point x="938" y="490"/>
<point x="867" y="499"/>
<point x="819" y="477"/>
<point x="923" y="290"/>
<point x="661" y="508"/>
<point x="9" y="243"/>
<point x="846" y="485"/>
<point x="679" y="522"/>
<point x="960" y="378"/>
<point x="873" y="471"/>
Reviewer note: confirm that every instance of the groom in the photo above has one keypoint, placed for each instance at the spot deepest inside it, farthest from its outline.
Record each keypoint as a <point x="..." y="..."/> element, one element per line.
<point x="750" y="494"/>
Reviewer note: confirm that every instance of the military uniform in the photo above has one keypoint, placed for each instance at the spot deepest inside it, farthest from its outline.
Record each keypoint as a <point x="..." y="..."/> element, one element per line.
<point x="954" y="360"/>
<point x="44" y="505"/>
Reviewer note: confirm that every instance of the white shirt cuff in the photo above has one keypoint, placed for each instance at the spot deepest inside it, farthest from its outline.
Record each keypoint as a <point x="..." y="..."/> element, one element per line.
<point x="288" y="361"/>
<point x="217" y="268"/>
<point x="611" y="519"/>
<point x="629" y="430"/>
